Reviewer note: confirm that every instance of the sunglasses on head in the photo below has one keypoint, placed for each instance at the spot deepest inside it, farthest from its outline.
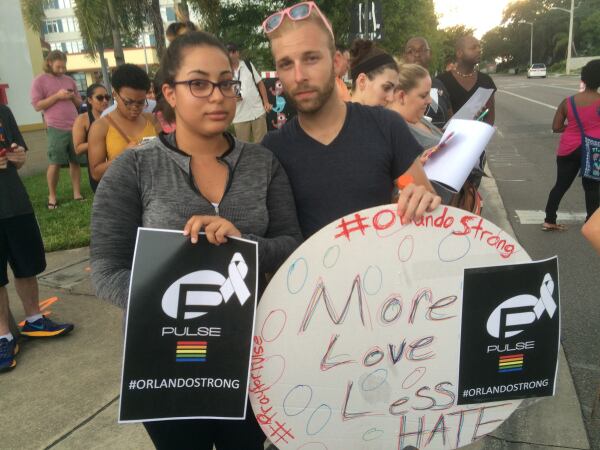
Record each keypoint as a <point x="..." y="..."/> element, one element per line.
<point x="299" y="11"/>
<point x="101" y="97"/>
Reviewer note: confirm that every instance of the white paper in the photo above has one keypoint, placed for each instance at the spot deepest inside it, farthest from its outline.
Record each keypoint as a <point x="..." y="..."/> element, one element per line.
<point x="452" y="164"/>
<point x="433" y="93"/>
<point x="474" y="105"/>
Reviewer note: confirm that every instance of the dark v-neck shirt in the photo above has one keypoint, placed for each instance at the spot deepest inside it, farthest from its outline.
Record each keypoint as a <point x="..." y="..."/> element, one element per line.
<point x="355" y="171"/>
<point x="458" y="94"/>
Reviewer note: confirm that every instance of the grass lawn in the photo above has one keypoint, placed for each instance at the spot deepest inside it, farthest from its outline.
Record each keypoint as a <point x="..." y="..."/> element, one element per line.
<point x="69" y="225"/>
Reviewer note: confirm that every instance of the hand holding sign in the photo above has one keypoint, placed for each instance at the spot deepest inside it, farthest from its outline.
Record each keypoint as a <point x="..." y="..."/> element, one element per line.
<point x="215" y="227"/>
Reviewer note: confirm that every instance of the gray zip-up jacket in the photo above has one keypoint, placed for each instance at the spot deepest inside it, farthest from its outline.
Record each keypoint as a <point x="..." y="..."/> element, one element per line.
<point x="152" y="186"/>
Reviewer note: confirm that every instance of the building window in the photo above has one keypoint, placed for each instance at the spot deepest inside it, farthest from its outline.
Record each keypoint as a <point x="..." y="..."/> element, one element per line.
<point x="70" y="24"/>
<point x="80" y="81"/>
<point x="60" y="4"/>
<point x="53" y="26"/>
<point x="170" y="12"/>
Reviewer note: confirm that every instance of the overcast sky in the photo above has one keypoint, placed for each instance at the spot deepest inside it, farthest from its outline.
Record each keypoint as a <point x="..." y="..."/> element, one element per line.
<point x="482" y="15"/>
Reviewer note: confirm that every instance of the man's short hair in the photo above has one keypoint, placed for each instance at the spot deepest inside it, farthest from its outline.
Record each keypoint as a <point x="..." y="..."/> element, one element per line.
<point x="232" y="47"/>
<point x="461" y="42"/>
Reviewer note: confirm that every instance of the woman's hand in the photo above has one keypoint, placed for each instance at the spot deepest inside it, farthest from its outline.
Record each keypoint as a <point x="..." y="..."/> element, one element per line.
<point x="215" y="227"/>
<point x="427" y="153"/>
<point x="16" y="155"/>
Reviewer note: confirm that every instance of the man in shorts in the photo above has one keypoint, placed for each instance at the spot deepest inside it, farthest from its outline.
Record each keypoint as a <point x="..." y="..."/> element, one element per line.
<point x="340" y="157"/>
<point x="56" y="95"/>
<point x="21" y="246"/>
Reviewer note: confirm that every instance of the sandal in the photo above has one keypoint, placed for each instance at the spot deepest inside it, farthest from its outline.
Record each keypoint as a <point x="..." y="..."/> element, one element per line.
<point x="79" y="199"/>
<point x="52" y="206"/>
<point x="553" y="227"/>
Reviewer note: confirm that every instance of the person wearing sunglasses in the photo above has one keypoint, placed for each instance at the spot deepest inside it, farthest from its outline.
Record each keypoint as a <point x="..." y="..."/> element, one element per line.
<point x="340" y="157"/>
<point x="97" y="99"/>
<point x="374" y="74"/>
<point x="127" y="125"/>
<point x="198" y="178"/>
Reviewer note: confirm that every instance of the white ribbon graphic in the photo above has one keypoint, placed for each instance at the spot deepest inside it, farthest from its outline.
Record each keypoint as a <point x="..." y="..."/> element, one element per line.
<point x="193" y="296"/>
<point x="546" y="302"/>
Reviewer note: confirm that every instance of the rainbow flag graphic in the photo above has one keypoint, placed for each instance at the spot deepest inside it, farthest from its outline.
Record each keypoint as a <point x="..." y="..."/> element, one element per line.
<point x="510" y="363"/>
<point x="191" y="351"/>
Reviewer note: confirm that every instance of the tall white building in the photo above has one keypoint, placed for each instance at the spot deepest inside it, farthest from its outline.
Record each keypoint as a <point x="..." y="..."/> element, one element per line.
<point x="61" y="29"/>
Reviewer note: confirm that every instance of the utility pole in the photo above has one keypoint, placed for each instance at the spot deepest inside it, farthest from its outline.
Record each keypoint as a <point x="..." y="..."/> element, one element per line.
<point x="568" y="67"/>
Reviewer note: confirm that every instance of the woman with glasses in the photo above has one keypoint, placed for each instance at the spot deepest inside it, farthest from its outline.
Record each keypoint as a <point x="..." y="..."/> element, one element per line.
<point x="374" y="74"/>
<point x="97" y="99"/>
<point x="127" y="126"/>
<point x="198" y="178"/>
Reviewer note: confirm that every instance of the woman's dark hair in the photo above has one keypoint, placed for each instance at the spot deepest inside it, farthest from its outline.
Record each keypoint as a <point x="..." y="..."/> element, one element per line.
<point x="367" y="58"/>
<point x="90" y="91"/>
<point x="175" y="28"/>
<point x="162" y="105"/>
<point x="173" y="57"/>
<point x="590" y="74"/>
<point x="131" y="76"/>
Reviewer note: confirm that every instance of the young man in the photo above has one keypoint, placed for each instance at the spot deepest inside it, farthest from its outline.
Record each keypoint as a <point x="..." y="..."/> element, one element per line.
<point x="56" y="95"/>
<point x="253" y="102"/>
<point x="340" y="157"/>
<point x="20" y="245"/>
<point x="462" y="81"/>
<point x="417" y="51"/>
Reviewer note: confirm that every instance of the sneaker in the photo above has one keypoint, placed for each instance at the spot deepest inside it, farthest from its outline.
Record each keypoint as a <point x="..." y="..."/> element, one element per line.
<point x="8" y="350"/>
<point x="44" y="327"/>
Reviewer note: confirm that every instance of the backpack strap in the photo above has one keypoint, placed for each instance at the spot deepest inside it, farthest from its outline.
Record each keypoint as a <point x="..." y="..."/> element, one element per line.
<point x="577" y="119"/>
<point x="249" y="66"/>
<point x="119" y="129"/>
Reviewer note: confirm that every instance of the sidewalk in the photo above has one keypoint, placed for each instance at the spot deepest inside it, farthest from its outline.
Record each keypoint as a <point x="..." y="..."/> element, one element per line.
<point x="63" y="394"/>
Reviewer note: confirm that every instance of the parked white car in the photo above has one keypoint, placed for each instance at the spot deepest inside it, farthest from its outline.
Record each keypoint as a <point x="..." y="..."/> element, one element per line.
<point x="536" y="70"/>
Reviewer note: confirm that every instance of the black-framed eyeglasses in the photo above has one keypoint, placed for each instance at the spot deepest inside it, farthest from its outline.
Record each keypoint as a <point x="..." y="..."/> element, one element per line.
<point x="133" y="103"/>
<point x="100" y="97"/>
<point x="205" y="88"/>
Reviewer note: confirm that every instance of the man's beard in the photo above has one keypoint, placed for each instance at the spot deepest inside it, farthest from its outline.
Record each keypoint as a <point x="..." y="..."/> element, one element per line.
<point x="317" y="103"/>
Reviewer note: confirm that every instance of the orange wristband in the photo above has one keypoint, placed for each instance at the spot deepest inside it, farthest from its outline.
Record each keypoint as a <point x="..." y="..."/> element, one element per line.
<point x="404" y="181"/>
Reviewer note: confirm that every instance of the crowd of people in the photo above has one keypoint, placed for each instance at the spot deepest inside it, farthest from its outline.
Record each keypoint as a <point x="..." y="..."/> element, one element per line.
<point x="176" y="166"/>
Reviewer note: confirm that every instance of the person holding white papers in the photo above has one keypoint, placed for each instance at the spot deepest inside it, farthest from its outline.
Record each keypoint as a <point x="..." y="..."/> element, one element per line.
<point x="411" y="100"/>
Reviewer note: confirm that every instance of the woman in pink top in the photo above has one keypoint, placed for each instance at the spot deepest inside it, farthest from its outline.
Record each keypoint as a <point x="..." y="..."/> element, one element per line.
<point x="568" y="159"/>
<point x="55" y="94"/>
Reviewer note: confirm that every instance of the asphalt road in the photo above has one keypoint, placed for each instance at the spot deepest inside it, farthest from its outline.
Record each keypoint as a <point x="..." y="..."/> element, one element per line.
<point x="522" y="159"/>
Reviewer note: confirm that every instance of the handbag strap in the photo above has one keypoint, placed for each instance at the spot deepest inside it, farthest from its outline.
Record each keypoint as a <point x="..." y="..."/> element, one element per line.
<point x="119" y="129"/>
<point x="577" y="119"/>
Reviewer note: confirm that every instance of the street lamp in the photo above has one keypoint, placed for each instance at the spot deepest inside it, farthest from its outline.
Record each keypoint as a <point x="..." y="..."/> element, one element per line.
<point x="571" y="13"/>
<point x="531" y="43"/>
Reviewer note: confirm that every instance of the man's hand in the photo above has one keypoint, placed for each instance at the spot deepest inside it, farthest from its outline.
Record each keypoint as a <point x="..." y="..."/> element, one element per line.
<point x="268" y="107"/>
<point x="414" y="201"/>
<point x="16" y="155"/>
<point x="64" y="94"/>
<point x="3" y="158"/>
<point x="215" y="227"/>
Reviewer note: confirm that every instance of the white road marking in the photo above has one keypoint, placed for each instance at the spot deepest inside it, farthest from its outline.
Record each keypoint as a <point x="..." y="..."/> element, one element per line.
<point x="536" y="217"/>
<point x="528" y="99"/>
<point x="572" y="89"/>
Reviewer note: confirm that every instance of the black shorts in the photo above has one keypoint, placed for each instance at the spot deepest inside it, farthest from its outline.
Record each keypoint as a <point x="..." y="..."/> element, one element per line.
<point x="22" y="247"/>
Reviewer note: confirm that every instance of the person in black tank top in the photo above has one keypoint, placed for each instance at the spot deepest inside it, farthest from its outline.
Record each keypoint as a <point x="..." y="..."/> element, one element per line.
<point x="97" y="101"/>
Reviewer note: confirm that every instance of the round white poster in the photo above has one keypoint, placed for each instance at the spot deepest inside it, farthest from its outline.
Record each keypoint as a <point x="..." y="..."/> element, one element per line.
<point x="357" y="336"/>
